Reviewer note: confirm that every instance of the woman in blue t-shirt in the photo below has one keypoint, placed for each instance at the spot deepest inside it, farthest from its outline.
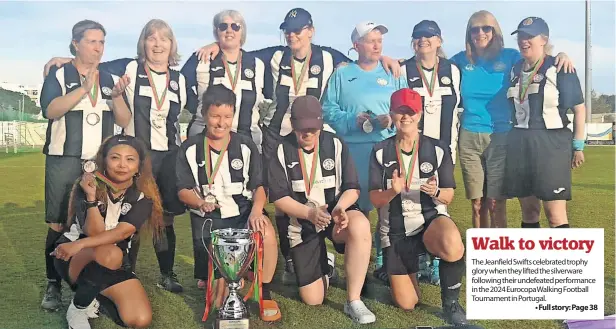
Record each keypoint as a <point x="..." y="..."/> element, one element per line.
<point x="486" y="118"/>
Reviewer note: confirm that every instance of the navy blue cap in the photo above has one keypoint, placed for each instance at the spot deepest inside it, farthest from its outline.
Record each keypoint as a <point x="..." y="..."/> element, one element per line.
<point x="426" y="28"/>
<point x="533" y="26"/>
<point x="296" y="19"/>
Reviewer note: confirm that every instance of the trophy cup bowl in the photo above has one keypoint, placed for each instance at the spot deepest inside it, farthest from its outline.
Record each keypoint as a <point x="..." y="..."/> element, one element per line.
<point x="233" y="251"/>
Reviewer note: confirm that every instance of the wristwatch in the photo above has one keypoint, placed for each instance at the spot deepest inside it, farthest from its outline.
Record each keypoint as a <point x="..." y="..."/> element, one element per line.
<point x="437" y="193"/>
<point x="90" y="204"/>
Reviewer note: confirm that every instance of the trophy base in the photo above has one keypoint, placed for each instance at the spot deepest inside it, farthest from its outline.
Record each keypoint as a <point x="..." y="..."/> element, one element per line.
<point x="231" y="324"/>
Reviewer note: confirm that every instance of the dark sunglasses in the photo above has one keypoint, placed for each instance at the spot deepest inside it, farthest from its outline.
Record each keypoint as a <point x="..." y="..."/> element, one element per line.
<point x="485" y="29"/>
<point x="224" y="26"/>
<point x="420" y="35"/>
<point x="296" y="30"/>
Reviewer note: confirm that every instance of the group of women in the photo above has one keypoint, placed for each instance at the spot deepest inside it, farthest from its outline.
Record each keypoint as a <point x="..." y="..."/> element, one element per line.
<point x="383" y="112"/>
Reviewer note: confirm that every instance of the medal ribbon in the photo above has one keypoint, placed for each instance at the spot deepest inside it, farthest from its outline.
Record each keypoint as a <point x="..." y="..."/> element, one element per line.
<point x="256" y="289"/>
<point x="524" y="89"/>
<point x="313" y="172"/>
<point x="428" y="86"/>
<point x="93" y="94"/>
<point x="211" y="174"/>
<point x="209" y="295"/>
<point x="297" y="81"/>
<point x="238" y="68"/>
<point x="159" y="101"/>
<point x="407" y="171"/>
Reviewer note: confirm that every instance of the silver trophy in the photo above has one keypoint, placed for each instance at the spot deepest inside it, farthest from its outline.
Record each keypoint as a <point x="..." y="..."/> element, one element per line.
<point x="233" y="251"/>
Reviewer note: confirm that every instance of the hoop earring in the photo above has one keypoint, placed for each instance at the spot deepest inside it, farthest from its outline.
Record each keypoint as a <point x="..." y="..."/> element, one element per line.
<point x="137" y="175"/>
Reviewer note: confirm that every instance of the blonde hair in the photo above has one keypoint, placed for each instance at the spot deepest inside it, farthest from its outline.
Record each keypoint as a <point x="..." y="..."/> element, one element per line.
<point x="150" y="28"/>
<point x="497" y="43"/>
<point x="548" y="47"/>
<point x="236" y="17"/>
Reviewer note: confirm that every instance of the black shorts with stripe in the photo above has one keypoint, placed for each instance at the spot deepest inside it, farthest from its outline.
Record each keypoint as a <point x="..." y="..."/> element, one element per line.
<point x="310" y="256"/>
<point x="61" y="173"/>
<point x="163" y="169"/>
<point x="539" y="164"/>
<point x="402" y="256"/>
<point x="271" y="139"/>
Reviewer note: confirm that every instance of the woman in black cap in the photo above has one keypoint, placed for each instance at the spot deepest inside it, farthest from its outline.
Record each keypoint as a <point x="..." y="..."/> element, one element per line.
<point x="541" y="150"/>
<point x="93" y="254"/>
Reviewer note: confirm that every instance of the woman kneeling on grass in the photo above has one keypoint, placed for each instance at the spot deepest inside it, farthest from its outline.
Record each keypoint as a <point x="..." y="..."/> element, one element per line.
<point x="411" y="182"/>
<point x="92" y="256"/>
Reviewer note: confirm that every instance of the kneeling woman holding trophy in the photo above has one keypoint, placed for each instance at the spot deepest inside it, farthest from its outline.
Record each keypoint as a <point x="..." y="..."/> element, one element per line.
<point x="412" y="182"/>
<point x="312" y="178"/>
<point x="115" y="197"/>
<point x="220" y="179"/>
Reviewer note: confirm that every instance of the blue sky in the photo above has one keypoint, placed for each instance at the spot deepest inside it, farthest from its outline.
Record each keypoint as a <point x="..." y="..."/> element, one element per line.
<point x="33" y="32"/>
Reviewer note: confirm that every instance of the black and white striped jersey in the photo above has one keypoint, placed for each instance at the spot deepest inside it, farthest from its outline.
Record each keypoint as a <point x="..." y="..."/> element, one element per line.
<point x="239" y="174"/>
<point x="440" y="116"/>
<point x="335" y="174"/>
<point x="408" y="211"/>
<point x="321" y="65"/>
<point x="547" y="98"/>
<point x="248" y="90"/>
<point x="132" y="208"/>
<point x="158" y="127"/>
<point x="81" y="130"/>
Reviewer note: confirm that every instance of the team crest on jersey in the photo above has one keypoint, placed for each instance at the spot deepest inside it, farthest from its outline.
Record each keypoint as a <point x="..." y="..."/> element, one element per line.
<point x="499" y="66"/>
<point x="125" y="208"/>
<point x="527" y="21"/>
<point x="445" y="80"/>
<point x="381" y="81"/>
<point x="538" y="77"/>
<point x="173" y="85"/>
<point x="426" y="167"/>
<point x="237" y="164"/>
<point x="328" y="164"/>
<point x="249" y="73"/>
<point x="469" y="67"/>
<point x="315" y="69"/>
<point x="106" y="91"/>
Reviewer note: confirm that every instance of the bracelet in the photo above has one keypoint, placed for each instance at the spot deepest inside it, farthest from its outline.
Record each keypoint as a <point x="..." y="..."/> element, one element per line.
<point x="578" y="144"/>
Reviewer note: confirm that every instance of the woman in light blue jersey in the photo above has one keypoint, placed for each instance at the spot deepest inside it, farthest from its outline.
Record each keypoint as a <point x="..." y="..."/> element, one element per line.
<point x="486" y="118"/>
<point x="356" y="105"/>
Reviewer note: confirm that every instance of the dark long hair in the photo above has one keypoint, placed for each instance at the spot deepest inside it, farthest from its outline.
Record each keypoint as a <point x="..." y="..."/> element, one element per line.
<point x="144" y="180"/>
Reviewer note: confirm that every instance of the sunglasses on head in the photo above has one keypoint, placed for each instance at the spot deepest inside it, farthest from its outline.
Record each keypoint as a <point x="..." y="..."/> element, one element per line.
<point x="485" y="29"/>
<point x="224" y="26"/>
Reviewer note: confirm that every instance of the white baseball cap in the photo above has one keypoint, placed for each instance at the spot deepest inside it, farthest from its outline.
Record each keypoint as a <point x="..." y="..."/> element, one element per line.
<point x="364" y="28"/>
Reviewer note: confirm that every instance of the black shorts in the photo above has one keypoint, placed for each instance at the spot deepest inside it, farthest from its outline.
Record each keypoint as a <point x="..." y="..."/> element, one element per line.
<point x="61" y="173"/>
<point x="123" y="274"/>
<point x="310" y="256"/>
<point x="539" y="164"/>
<point x="163" y="169"/>
<point x="271" y="139"/>
<point x="402" y="256"/>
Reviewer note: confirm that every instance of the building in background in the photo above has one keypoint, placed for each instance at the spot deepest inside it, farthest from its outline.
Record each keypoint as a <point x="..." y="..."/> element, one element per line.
<point x="33" y="92"/>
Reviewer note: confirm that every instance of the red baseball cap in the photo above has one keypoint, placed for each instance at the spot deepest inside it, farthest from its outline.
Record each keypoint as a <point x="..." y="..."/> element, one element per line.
<point x="406" y="100"/>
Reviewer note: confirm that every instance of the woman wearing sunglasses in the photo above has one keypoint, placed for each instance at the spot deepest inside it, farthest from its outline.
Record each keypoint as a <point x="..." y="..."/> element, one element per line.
<point x="301" y="68"/>
<point x="236" y="69"/>
<point x="485" y="65"/>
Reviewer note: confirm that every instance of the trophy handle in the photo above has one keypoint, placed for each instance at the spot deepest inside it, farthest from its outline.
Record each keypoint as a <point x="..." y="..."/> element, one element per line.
<point x="203" y="241"/>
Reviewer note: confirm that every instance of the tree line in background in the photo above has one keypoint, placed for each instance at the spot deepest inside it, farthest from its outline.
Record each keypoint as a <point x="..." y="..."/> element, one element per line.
<point x="10" y="103"/>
